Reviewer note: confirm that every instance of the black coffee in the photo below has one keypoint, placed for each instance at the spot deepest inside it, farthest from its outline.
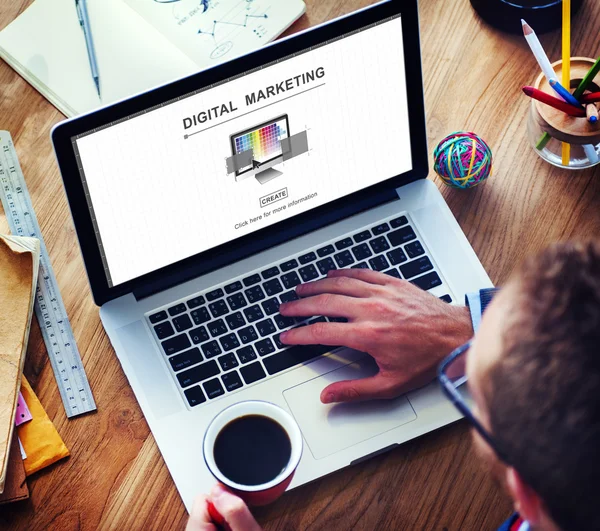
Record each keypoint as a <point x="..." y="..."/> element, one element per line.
<point x="252" y="450"/>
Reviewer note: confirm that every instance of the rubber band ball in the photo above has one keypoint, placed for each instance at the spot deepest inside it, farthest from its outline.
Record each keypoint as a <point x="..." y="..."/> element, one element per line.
<point x="463" y="160"/>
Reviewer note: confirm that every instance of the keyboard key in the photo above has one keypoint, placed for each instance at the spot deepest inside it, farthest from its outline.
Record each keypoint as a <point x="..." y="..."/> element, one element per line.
<point x="175" y="344"/>
<point x="289" y="265"/>
<point x="236" y="301"/>
<point x="380" y="229"/>
<point x="200" y="315"/>
<point x="253" y="372"/>
<point x="247" y="335"/>
<point x="271" y="306"/>
<point x="344" y="259"/>
<point x="293" y="356"/>
<point x="446" y="298"/>
<point x="228" y="361"/>
<point x="393" y="273"/>
<point x="379" y="263"/>
<point x="379" y="244"/>
<point x="308" y="273"/>
<point x="416" y="267"/>
<point x="218" y="308"/>
<point x="251" y="280"/>
<point x="255" y="294"/>
<point x="183" y="322"/>
<point x="324" y="251"/>
<point x="283" y="322"/>
<point x="211" y="349"/>
<point x="235" y="320"/>
<point x="163" y="330"/>
<point x="398" y="222"/>
<point x="327" y="264"/>
<point x="198" y="373"/>
<point x="216" y="328"/>
<point x="400" y="236"/>
<point x="278" y="342"/>
<point x="233" y="287"/>
<point x="360" y="265"/>
<point x="397" y="256"/>
<point x="272" y="287"/>
<point x="177" y="309"/>
<point x="306" y="258"/>
<point x="270" y="273"/>
<point x="361" y="251"/>
<point x="214" y="294"/>
<point x="264" y="347"/>
<point x="185" y="359"/>
<point x="290" y="280"/>
<point x="428" y="281"/>
<point x="246" y="354"/>
<point x="232" y="381"/>
<point x="362" y="236"/>
<point x="229" y="342"/>
<point x="317" y="320"/>
<point x="199" y="335"/>
<point x="194" y="396"/>
<point x="337" y="319"/>
<point x="289" y="296"/>
<point x="266" y="327"/>
<point x="213" y="388"/>
<point x="414" y="249"/>
<point x="195" y="302"/>
<point x="344" y="244"/>
<point x="157" y="317"/>
<point x="253" y="313"/>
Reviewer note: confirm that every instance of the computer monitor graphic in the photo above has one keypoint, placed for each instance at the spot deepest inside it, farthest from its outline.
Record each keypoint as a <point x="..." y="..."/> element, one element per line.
<point x="265" y="142"/>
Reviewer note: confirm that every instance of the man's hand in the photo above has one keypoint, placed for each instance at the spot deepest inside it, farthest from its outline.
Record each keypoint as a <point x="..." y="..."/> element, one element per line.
<point x="232" y="509"/>
<point x="407" y="330"/>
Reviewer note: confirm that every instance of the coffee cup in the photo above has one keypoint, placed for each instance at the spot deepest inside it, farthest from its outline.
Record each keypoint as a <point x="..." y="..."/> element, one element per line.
<point x="253" y="448"/>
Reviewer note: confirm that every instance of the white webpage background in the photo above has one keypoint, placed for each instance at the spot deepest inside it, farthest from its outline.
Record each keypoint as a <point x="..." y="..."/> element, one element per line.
<point x="159" y="198"/>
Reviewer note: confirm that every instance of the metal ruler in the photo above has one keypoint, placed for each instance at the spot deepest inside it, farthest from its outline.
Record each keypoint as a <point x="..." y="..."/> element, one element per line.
<point x="49" y="308"/>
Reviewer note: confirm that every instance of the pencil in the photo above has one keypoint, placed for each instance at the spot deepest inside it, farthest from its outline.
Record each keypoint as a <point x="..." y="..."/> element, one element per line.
<point x="591" y="112"/>
<point x="566" y="65"/>
<point x="592" y="97"/>
<point x="546" y="98"/>
<point x="588" y="78"/>
<point x="538" y="51"/>
<point x="564" y="93"/>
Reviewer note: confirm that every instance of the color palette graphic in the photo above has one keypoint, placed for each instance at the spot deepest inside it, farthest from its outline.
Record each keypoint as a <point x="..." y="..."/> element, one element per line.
<point x="265" y="142"/>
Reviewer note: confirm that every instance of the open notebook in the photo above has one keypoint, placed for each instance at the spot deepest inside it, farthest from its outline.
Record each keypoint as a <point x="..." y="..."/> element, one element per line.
<point x="139" y="44"/>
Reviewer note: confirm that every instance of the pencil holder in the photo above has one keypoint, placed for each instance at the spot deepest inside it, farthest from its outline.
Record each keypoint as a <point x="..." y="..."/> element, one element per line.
<point x="548" y="128"/>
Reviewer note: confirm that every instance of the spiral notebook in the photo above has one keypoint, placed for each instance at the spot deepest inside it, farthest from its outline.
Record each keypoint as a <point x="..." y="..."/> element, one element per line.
<point x="139" y="44"/>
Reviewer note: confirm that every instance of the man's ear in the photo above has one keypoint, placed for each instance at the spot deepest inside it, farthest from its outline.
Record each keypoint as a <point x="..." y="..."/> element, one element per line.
<point x="526" y="501"/>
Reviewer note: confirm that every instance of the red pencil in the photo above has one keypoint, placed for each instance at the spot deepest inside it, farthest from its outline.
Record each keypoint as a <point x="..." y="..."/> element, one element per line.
<point x="590" y="98"/>
<point x="544" y="97"/>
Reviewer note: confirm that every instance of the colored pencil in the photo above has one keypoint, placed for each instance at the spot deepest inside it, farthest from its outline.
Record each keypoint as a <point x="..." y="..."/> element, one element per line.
<point x="546" y="98"/>
<point x="564" y="93"/>
<point x="592" y="97"/>
<point x="538" y="51"/>
<point x="591" y="112"/>
<point x="588" y="78"/>
<point x="566" y="66"/>
<point x="590" y="153"/>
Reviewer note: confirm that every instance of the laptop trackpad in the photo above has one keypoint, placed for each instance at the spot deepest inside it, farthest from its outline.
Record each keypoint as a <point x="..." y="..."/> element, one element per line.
<point x="329" y="428"/>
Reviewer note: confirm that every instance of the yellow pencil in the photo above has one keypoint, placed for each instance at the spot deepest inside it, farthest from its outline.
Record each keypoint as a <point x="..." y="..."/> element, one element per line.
<point x="566" y="65"/>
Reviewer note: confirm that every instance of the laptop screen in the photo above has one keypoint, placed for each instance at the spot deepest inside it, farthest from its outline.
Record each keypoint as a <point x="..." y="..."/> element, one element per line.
<point x="235" y="157"/>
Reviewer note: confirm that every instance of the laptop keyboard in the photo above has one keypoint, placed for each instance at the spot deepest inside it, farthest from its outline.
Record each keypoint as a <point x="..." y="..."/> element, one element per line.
<point x="227" y="337"/>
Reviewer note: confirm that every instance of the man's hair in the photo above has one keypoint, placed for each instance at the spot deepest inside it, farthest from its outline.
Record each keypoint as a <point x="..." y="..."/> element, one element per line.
<point x="544" y="398"/>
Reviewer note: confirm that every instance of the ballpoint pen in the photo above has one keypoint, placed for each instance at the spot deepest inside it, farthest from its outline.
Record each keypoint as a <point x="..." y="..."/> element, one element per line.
<point x="84" y="21"/>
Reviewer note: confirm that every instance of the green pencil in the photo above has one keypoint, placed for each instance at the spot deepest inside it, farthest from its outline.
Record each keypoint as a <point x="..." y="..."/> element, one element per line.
<point x="587" y="79"/>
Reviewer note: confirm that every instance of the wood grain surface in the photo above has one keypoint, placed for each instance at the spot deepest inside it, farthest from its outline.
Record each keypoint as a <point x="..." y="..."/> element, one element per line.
<point x="115" y="477"/>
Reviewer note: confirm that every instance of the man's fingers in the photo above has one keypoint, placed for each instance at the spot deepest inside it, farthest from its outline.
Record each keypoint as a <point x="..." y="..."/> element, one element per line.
<point x="233" y="509"/>
<point x="357" y="390"/>
<point x="366" y="275"/>
<point x="324" y="304"/>
<point x="333" y="334"/>
<point x="340" y="285"/>
<point x="199" y="518"/>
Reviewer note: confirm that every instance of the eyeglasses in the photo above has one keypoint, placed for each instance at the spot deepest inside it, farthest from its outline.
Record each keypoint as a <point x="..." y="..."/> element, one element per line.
<point x="453" y="379"/>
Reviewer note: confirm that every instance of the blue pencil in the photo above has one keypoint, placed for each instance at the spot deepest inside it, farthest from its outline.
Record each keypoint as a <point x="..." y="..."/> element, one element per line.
<point x="564" y="93"/>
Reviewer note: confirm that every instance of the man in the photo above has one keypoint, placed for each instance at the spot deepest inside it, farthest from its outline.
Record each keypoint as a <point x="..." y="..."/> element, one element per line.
<point x="533" y="371"/>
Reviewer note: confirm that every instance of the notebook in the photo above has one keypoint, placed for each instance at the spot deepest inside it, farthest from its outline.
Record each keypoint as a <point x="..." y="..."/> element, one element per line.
<point x="139" y="44"/>
<point x="19" y="262"/>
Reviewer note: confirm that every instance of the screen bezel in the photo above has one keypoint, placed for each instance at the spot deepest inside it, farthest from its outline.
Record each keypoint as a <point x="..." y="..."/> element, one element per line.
<point x="277" y="233"/>
<point x="256" y="128"/>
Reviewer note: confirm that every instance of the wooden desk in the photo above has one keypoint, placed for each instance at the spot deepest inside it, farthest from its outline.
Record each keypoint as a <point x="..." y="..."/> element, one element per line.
<point x="116" y="478"/>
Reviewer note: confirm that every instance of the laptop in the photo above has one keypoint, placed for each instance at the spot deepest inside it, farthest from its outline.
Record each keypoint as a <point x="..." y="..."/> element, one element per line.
<point x="191" y="243"/>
